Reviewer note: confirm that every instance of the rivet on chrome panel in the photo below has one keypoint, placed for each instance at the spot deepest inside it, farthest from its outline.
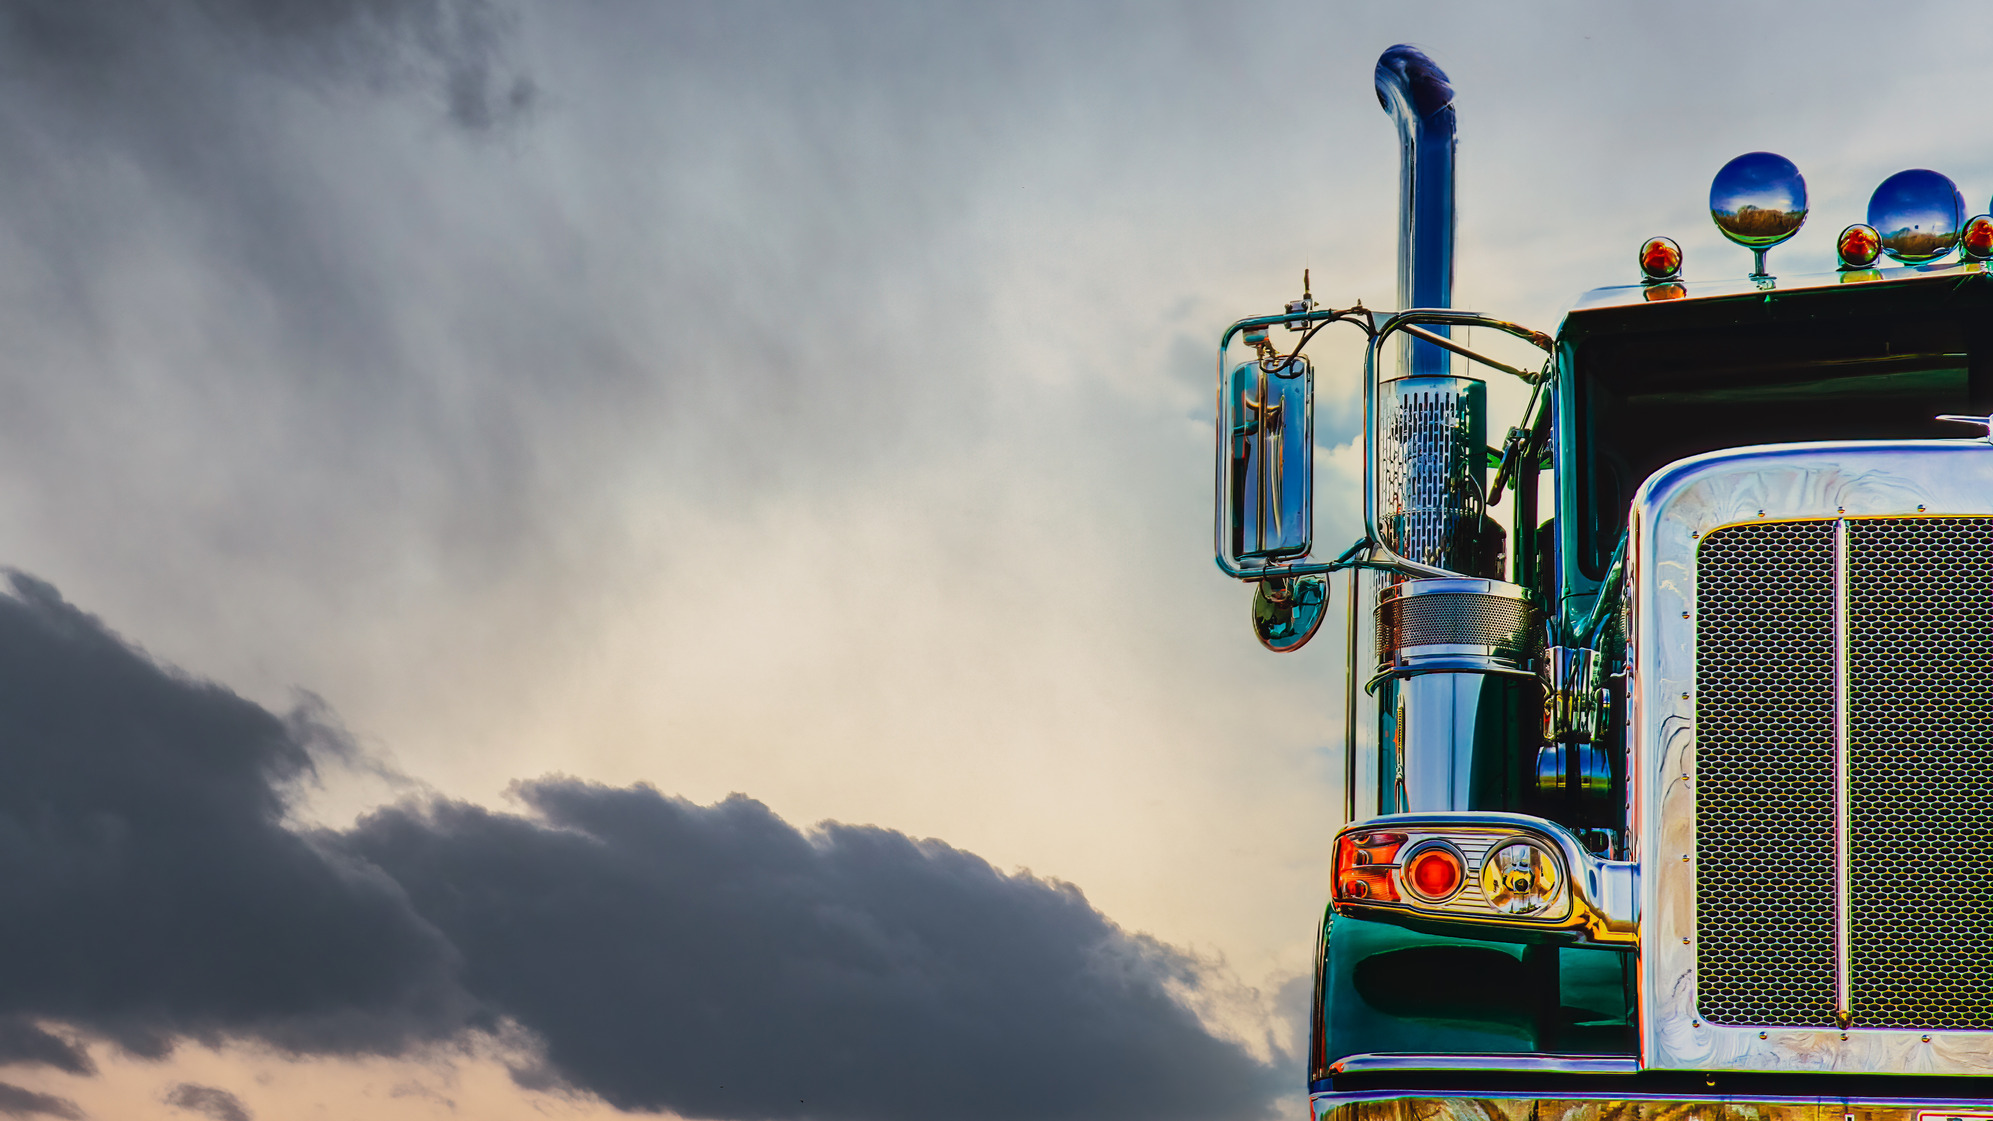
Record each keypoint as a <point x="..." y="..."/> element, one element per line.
<point x="1920" y="507"/>
<point x="1685" y="614"/>
<point x="1927" y="1039"/>
<point x="1844" y="1037"/>
<point x="1761" y="513"/>
<point x="1685" y="941"/>
<point x="1764" y="1035"/>
<point x="1685" y="696"/>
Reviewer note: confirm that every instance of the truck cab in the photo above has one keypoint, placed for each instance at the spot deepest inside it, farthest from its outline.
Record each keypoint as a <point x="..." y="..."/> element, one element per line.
<point x="1668" y="759"/>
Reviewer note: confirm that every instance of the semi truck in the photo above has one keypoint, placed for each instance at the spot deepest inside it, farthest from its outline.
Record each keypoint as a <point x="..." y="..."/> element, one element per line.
<point x="1667" y="763"/>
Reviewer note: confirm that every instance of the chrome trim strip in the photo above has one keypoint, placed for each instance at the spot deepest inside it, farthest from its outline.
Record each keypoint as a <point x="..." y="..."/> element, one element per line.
<point x="1673" y="510"/>
<point x="1349" y="704"/>
<point x="1528" y="1061"/>
<point x="1630" y="295"/>
<point x="1843" y="998"/>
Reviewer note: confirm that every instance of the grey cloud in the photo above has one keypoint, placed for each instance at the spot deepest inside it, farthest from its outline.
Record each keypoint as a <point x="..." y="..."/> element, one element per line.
<point x="147" y="873"/>
<point x="23" y="1043"/>
<point x="125" y="63"/>
<point x="714" y="961"/>
<point x="717" y="962"/>
<point x="211" y="1102"/>
<point x="16" y="1101"/>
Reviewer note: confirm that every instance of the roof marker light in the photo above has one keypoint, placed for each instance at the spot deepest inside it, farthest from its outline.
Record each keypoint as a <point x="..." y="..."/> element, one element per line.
<point x="1977" y="241"/>
<point x="1660" y="259"/>
<point x="1859" y="245"/>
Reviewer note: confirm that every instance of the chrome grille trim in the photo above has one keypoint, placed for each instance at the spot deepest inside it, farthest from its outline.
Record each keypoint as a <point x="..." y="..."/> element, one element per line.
<point x="1675" y="508"/>
<point x="1842" y="1000"/>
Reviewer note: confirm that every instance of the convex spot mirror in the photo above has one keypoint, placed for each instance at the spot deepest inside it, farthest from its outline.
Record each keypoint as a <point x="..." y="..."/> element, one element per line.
<point x="1288" y="610"/>
<point x="1270" y="459"/>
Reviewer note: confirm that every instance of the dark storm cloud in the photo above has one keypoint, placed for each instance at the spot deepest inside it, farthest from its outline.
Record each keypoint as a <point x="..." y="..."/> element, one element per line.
<point x="148" y="877"/>
<point x="713" y="961"/>
<point x="716" y="962"/>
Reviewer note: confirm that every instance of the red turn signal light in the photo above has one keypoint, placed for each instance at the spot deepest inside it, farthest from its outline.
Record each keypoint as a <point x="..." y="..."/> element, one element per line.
<point x="1977" y="242"/>
<point x="1660" y="259"/>
<point x="1859" y="246"/>
<point x="1435" y="872"/>
<point x="1364" y="863"/>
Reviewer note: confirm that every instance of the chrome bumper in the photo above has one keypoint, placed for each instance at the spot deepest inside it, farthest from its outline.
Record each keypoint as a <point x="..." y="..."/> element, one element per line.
<point x="1484" y="1087"/>
<point x="1370" y="1105"/>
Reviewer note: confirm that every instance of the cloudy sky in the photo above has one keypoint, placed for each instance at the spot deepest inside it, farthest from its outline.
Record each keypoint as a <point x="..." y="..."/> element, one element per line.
<point x="631" y="556"/>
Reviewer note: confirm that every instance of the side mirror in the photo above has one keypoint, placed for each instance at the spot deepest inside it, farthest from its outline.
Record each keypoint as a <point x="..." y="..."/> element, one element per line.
<point x="1288" y="610"/>
<point x="1270" y="465"/>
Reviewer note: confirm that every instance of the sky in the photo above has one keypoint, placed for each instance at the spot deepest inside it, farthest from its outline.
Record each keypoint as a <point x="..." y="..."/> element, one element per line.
<point x="588" y="558"/>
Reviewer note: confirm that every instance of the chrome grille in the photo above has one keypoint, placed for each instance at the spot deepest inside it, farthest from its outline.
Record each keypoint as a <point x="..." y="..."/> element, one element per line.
<point x="1765" y="775"/>
<point x="1917" y="902"/>
<point x="1920" y="769"/>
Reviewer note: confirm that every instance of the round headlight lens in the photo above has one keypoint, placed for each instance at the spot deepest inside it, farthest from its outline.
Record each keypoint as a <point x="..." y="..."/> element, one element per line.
<point x="1521" y="878"/>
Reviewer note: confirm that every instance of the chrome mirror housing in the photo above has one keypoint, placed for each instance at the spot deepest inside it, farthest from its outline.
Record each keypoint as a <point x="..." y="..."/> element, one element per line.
<point x="1269" y="468"/>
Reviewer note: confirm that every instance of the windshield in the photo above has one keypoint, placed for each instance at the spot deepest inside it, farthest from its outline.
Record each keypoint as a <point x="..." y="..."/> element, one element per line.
<point x="1645" y="400"/>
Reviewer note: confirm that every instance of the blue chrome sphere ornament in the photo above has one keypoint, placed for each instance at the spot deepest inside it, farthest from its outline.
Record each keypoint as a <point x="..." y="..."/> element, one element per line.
<point x="1919" y="214"/>
<point x="1758" y="200"/>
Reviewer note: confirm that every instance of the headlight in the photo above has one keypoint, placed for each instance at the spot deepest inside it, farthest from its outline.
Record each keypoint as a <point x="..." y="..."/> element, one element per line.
<point x="1520" y="878"/>
<point x="1498" y="876"/>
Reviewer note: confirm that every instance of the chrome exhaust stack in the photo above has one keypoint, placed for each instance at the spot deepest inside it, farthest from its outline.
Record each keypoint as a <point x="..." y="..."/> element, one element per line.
<point x="1431" y="474"/>
<point x="1454" y="685"/>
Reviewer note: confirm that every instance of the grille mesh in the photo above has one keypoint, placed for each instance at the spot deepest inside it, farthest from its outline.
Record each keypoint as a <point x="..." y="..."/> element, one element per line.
<point x="1765" y="775"/>
<point x="1920" y="772"/>
<point x="1472" y="618"/>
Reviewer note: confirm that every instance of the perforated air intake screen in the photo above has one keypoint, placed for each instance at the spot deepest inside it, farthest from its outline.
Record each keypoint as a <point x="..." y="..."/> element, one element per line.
<point x="1917" y="606"/>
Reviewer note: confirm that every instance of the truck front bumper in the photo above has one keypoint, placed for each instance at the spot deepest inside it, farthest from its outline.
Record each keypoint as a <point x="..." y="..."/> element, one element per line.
<point x="1383" y="1105"/>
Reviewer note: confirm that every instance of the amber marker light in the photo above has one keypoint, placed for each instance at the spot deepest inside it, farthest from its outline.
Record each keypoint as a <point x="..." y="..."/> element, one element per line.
<point x="1660" y="259"/>
<point x="1364" y="862"/>
<point x="1859" y="246"/>
<point x="1978" y="240"/>
<point x="1435" y="872"/>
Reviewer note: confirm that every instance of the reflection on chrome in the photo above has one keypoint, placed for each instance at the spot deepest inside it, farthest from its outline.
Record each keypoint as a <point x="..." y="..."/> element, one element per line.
<point x="1758" y="200"/>
<point x="1287" y="611"/>
<point x="1919" y="215"/>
